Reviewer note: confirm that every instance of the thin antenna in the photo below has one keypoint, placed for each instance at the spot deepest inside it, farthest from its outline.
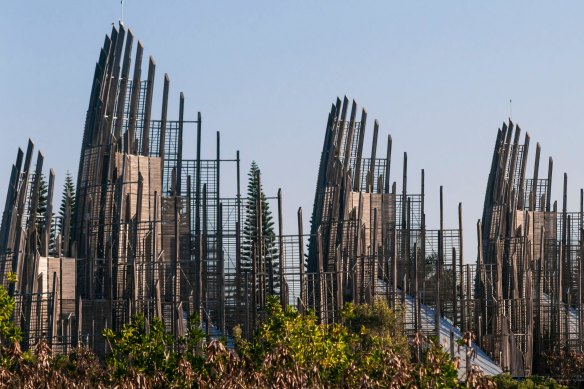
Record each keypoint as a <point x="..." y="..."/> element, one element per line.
<point x="510" y="108"/>
<point x="122" y="11"/>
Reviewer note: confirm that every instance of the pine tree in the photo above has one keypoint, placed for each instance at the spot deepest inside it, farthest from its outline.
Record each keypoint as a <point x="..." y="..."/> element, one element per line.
<point x="41" y="211"/>
<point x="68" y="197"/>
<point x="269" y="255"/>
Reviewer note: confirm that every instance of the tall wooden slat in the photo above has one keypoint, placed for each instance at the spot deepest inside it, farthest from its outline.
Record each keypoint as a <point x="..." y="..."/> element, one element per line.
<point x="131" y="134"/>
<point x="357" y="173"/>
<point x="148" y="108"/>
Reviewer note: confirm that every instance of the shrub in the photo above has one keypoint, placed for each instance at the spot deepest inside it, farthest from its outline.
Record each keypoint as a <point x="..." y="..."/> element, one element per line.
<point x="505" y="381"/>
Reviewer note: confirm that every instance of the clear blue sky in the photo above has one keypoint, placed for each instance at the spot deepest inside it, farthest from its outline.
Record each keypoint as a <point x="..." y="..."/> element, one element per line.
<point x="437" y="74"/>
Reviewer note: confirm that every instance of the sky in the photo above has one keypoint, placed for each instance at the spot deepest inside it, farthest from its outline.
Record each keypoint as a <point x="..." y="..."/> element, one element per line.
<point x="439" y="77"/>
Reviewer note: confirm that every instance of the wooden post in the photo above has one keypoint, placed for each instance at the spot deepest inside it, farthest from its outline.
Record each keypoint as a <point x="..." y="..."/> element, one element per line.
<point x="454" y="291"/>
<point x="248" y="303"/>
<point x="254" y="279"/>
<point x="163" y="120"/>
<point x="422" y="247"/>
<point x="406" y="233"/>
<point x="179" y="157"/>
<point x="175" y="257"/>
<point x="238" y="279"/>
<point x="79" y="316"/>
<point x="539" y="290"/>
<point x="46" y="233"/>
<point x="415" y="294"/>
<point x="8" y="216"/>
<point x="281" y="249"/>
<point x="394" y="270"/>
<point x="404" y="215"/>
<point x="53" y="311"/>
<point x="568" y="270"/>
<point x="148" y="108"/>
<point x="482" y="297"/>
<point x="154" y="257"/>
<point x="581" y="273"/>
<point x="373" y="255"/>
<point x="357" y="252"/>
<point x="360" y="250"/>
<point x="533" y="196"/>
<point x="404" y="290"/>
<point x="388" y="164"/>
<point x="301" y="254"/>
<point x="437" y="311"/>
<point x="567" y="318"/>
<point x="549" y="188"/>
<point x="203" y="249"/>
<point x="198" y="236"/>
<point x="123" y="88"/>
<point x="221" y="268"/>
<point x="339" y="282"/>
<point x="157" y="300"/>
<point x="501" y="192"/>
<point x="467" y="301"/>
<point x="451" y="345"/>
<point x="138" y="220"/>
<point x="373" y="156"/>
<point x="565" y="265"/>
<point x="134" y="101"/>
<point x="559" y="296"/>
<point x="58" y="251"/>
<point x="461" y="264"/>
<point x="357" y="173"/>
<point x="319" y="308"/>
<point x="521" y="205"/>
<point x="259" y="244"/>
<point x="349" y="141"/>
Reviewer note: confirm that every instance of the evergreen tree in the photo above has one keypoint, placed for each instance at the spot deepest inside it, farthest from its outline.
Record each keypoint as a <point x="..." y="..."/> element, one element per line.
<point x="68" y="197"/>
<point x="269" y="256"/>
<point x="41" y="210"/>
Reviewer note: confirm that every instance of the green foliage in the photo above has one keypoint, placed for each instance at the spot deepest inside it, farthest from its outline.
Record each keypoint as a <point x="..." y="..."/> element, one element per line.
<point x="150" y="352"/>
<point x="194" y="350"/>
<point x="378" y="326"/>
<point x="269" y="255"/>
<point x="436" y="368"/>
<point x="140" y="349"/>
<point x="289" y="349"/>
<point x="505" y="381"/>
<point x="309" y="344"/>
<point x="43" y="202"/>
<point x="369" y="349"/>
<point x="67" y="207"/>
<point x="381" y="346"/>
<point x="430" y="265"/>
<point x="41" y="211"/>
<point x="9" y="333"/>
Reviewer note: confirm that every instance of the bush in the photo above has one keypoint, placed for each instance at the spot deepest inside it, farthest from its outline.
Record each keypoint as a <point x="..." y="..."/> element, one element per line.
<point x="505" y="381"/>
<point x="141" y="350"/>
<point x="289" y="349"/>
